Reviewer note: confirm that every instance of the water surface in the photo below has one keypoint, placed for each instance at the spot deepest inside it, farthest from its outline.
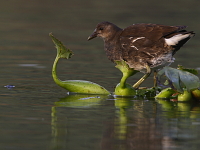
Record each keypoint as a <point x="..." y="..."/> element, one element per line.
<point x="37" y="114"/>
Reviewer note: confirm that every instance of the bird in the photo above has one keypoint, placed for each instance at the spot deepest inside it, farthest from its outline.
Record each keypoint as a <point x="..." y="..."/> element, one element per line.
<point x="143" y="46"/>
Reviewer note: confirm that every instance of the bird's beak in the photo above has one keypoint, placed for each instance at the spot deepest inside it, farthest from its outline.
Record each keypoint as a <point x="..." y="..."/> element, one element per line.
<point x="93" y="35"/>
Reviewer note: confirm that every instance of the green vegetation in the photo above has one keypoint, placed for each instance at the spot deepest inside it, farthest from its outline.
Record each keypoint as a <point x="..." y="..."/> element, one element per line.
<point x="74" y="86"/>
<point x="181" y="84"/>
<point x="123" y="88"/>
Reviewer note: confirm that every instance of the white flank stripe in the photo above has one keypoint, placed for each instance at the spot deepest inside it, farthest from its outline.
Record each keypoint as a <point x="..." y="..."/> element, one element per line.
<point x="134" y="41"/>
<point x="175" y="39"/>
<point x="134" y="47"/>
<point x="137" y="39"/>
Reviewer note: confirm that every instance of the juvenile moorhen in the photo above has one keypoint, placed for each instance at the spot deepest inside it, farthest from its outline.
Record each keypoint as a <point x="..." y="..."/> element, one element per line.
<point x="144" y="47"/>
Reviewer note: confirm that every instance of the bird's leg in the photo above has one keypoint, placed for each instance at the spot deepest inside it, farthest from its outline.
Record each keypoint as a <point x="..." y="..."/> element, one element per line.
<point x="139" y="82"/>
<point x="155" y="78"/>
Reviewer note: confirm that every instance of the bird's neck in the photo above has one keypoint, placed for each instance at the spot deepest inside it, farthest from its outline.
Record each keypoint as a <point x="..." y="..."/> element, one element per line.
<point x="110" y="44"/>
<point x="112" y="48"/>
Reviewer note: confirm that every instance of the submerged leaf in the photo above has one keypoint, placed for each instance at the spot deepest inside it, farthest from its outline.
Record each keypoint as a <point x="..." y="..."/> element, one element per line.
<point x="62" y="51"/>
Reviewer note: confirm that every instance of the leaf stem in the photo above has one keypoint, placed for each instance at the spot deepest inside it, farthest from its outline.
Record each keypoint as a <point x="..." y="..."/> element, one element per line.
<point x="54" y="74"/>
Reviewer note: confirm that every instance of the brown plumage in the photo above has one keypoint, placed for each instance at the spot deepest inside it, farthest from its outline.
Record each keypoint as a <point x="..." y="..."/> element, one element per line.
<point x="142" y="45"/>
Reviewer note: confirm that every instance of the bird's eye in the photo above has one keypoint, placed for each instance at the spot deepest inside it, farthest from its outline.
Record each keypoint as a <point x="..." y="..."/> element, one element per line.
<point x="100" y="28"/>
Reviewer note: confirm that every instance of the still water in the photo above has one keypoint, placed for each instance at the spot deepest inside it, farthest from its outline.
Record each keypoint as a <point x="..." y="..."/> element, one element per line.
<point x="37" y="114"/>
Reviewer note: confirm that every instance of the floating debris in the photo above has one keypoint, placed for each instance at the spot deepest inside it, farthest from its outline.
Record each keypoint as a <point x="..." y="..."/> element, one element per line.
<point x="31" y="65"/>
<point x="9" y="86"/>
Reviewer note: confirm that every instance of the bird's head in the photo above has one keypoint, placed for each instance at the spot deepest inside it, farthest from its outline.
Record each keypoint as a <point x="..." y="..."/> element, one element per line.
<point x="104" y="30"/>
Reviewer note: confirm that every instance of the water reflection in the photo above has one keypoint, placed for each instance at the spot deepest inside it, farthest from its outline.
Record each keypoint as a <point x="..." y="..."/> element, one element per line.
<point x="101" y="124"/>
<point x="180" y="127"/>
<point x="136" y="129"/>
<point x="179" y="109"/>
<point x="138" y="124"/>
<point x="60" y="132"/>
<point x="80" y="100"/>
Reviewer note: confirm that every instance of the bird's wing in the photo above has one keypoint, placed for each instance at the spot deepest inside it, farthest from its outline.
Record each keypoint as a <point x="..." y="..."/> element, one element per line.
<point x="143" y="35"/>
<point x="141" y="38"/>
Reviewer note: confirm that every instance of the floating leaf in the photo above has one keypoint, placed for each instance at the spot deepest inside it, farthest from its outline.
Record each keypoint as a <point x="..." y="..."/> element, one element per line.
<point x="166" y="93"/>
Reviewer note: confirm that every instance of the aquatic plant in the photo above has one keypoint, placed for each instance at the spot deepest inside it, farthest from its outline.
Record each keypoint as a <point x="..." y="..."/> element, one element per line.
<point x="74" y="86"/>
<point x="123" y="88"/>
<point x="182" y="83"/>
